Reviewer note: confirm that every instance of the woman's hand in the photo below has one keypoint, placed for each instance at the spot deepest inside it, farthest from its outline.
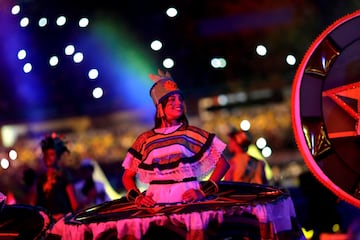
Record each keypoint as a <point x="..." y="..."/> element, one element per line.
<point x="193" y="195"/>
<point x="144" y="201"/>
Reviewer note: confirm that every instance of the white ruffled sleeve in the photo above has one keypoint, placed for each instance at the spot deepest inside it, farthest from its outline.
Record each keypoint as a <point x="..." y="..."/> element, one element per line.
<point x="210" y="157"/>
<point x="130" y="162"/>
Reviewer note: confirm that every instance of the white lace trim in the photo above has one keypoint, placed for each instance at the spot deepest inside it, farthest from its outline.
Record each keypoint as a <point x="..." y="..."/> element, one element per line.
<point x="167" y="130"/>
<point x="197" y="169"/>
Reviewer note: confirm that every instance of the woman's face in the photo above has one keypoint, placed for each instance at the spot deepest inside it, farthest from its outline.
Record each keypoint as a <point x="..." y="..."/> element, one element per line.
<point x="237" y="142"/>
<point x="49" y="157"/>
<point x="174" y="107"/>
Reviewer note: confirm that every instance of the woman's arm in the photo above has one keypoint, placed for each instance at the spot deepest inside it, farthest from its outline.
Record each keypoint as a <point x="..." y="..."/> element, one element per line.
<point x="133" y="193"/>
<point x="72" y="197"/>
<point x="128" y="180"/>
<point x="222" y="166"/>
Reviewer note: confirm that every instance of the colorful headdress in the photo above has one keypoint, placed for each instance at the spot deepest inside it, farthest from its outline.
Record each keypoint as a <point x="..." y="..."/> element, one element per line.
<point x="164" y="85"/>
<point x="56" y="142"/>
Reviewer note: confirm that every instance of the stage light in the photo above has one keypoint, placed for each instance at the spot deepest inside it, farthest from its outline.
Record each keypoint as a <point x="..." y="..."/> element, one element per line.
<point x="42" y="22"/>
<point x="4" y="163"/>
<point x="171" y="12"/>
<point x="21" y="54"/>
<point x="69" y="49"/>
<point x="93" y="73"/>
<point x="60" y="21"/>
<point x="27" y="67"/>
<point x="24" y="22"/>
<point x="15" y="9"/>
<point x="215" y="63"/>
<point x="222" y="100"/>
<point x="54" y="60"/>
<point x="266" y="151"/>
<point x="336" y="228"/>
<point x="168" y="63"/>
<point x="9" y="134"/>
<point x="218" y="62"/>
<point x="13" y="154"/>
<point x="222" y="62"/>
<point x="261" y="50"/>
<point x="98" y="92"/>
<point x="290" y="59"/>
<point x="83" y="22"/>
<point x="245" y="125"/>
<point x="156" y="45"/>
<point x="261" y="143"/>
<point x="78" y="57"/>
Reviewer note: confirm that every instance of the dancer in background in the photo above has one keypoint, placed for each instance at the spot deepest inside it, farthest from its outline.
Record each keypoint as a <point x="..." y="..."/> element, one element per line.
<point x="243" y="166"/>
<point x="89" y="192"/>
<point x="174" y="156"/>
<point x="55" y="190"/>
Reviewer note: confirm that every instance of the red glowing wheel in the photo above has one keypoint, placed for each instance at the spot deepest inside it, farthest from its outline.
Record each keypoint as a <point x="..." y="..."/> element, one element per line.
<point x="326" y="108"/>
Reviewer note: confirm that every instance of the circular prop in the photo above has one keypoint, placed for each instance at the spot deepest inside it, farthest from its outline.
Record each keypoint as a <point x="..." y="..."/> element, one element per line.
<point x="230" y="194"/>
<point x="326" y="108"/>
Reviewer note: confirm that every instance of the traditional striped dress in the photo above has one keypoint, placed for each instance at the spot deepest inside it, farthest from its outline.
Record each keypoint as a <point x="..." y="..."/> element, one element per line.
<point x="173" y="159"/>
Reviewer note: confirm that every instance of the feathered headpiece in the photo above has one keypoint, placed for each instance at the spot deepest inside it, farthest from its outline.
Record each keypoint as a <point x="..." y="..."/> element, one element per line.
<point x="56" y="142"/>
<point x="164" y="85"/>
